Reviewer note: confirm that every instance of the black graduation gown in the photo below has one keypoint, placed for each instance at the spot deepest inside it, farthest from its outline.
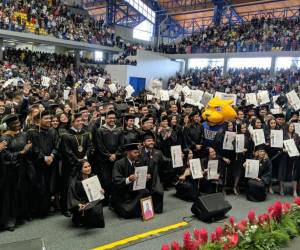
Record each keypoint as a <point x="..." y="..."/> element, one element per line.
<point x="44" y="143"/>
<point x="71" y="158"/>
<point x="289" y="166"/>
<point x="240" y="158"/>
<point x="229" y="154"/>
<point x="125" y="201"/>
<point x="15" y="180"/>
<point x="257" y="190"/>
<point x="189" y="189"/>
<point x="212" y="186"/>
<point x="106" y="142"/>
<point x="155" y="162"/>
<point x="129" y="136"/>
<point x="194" y="136"/>
<point x="92" y="217"/>
<point x="274" y="154"/>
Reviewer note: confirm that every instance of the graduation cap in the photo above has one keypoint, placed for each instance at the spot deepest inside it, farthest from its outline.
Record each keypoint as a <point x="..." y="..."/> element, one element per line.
<point x="75" y="116"/>
<point x="129" y="116"/>
<point x="111" y="112"/>
<point x="281" y="115"/>
<point x="131" y="146"/>
<point x="147" y="135"/>
<point x="191" y="115"/>
<point x="164" y="118"/>
<point x="46" y="112"/>
<point x="10" y="119"/>
<point x="81" y="109"/>
<point x="264" y="107"/>
<point x="281" y="100"/>
<point x="260" y="147"/>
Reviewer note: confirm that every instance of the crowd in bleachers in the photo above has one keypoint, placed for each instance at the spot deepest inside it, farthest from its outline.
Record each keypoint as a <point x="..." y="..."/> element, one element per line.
<point x="265" y="34"/>
<point x="239" y="81"/>
<point x="53" y="18"/>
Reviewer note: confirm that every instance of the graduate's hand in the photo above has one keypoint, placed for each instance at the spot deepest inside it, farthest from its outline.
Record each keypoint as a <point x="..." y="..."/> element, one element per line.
<point x="3" y="145"/>
<point x="26" y="148"/>
<point x="226" y="160"/>
<point x="49" y="160"/>
<point x="82" y="206"/>
<point x="26" y="91"/>
<point x="198" y="147"/>
<point x="102" y="191"/>
<point x="205" y="172"/>
<point x="112" y="157"/>
<point x="132" y="178"/>
<point x="148" y="177"/>
<point x="182" y="178"/>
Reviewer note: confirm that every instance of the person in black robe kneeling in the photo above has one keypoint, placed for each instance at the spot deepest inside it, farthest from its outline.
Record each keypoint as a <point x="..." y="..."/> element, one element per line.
<point x="257" y="187"/>
<point x="84" y="213"/>
<point x="125" y="201"/>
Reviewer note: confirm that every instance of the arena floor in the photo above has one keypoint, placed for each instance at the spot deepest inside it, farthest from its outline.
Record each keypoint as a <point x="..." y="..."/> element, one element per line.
<point x="58" y="233"/>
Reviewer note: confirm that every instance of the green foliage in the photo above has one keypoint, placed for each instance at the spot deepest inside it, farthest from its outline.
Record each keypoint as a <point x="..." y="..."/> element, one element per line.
<point x="288" y="225"/>
<point x="212" y="246"/>
<point x="280" y="237"/>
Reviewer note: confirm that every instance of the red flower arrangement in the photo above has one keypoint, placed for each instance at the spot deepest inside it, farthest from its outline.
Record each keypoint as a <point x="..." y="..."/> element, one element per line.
<point x="228" y="236"/>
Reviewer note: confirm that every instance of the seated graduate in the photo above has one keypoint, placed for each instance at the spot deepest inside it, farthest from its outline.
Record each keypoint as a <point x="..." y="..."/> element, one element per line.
<point x="212" y="185"/>
<point x="187" y="188"/>
<point x="125" y="201"/>
<point x="257" y="187"/>
<point x="84" y="213"/>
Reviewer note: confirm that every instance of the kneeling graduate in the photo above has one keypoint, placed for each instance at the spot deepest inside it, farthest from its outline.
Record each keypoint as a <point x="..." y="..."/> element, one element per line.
<point x="89" y="214"/>
<point x="126" y="200"/>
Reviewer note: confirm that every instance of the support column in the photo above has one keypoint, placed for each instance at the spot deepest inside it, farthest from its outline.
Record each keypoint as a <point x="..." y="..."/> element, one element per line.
<point x="225" y="67"/>
<point x="1" y="50"/>
<point x="273" y="66"/>
<point x="77" y="59"/>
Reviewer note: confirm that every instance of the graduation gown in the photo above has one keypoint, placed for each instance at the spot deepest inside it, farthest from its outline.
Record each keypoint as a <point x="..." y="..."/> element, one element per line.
<point x="44" y="143"/>
<point x="125" y="201"/>
<point x="106" y="142"/>
<point x="70" y="143"/>
<point x="92" y="217"/>
<point x="289" y="166"/>
<point x="15" y="180"/>
<point x="194" y="136"/>
<point x="256" y="190"/>
<point x="129" y="136"/>
<point x="155" y="162"/>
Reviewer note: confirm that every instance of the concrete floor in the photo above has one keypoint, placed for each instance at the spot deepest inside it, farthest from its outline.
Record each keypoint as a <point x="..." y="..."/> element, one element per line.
<point x="58" y="233"/>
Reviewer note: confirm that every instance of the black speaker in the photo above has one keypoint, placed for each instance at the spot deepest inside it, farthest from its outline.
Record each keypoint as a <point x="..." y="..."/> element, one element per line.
<point x="211" y="207"/>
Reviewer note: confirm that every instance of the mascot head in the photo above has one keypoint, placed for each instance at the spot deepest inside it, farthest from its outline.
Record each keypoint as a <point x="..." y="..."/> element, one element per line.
<point x="218" y="111"/>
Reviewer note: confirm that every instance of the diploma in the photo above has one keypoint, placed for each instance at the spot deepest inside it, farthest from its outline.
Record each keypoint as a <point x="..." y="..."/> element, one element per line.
<point x="263" y="97"/>
<point x="212" y="170"/>
<point x="276" y="138"/>
<point x="186" y="91"/>
<point x="293" y="100"/>
<point x="297" y="127"/>
<point x="93" y="189"/>
<point x="195" y="166"/>
<point x="164" y="95"/>
<point x="225" y="96"/>
<point x="176" y="156"/>
<point x="113" y="88"/>
<point x="228" y="140"/>
<point x="239" y="143"/>
<point x="291" y="147"/>
<point x="206" y="98"/>
<point x="252" y="168"/>
<point x="258" y="137"/>
<point x="141" y="178"/>
<point x="251" y="99"/>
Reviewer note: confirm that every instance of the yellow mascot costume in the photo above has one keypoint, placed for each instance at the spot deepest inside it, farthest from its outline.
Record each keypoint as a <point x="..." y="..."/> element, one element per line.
<point x="216" y="112"/>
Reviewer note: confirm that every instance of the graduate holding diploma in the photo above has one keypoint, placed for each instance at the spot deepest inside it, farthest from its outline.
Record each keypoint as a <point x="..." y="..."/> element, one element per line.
<point x="86" y="213"/>
<point x="257" y="186"/>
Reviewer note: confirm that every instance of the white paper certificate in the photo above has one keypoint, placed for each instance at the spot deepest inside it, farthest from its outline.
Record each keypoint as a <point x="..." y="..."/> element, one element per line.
<point x="228" y="140"/>
<point x="276" y="138"/>
<point x="258" y="136"/>
<point x="293" y="100"/>
<point x="225" y="96"/>
<point x="206" y="98"/>
<point x="239" y="143"/>
<point x="263" y="97"/>
<point x="252" y="168"/>
<point x="212" y="170"/>
<point x="195" y="166"/>
<point x="297" y="127"/>
<point x="186" y="91"/>
<point x="291" y="147"/>
<point x="92" y="188"/>
<point x="164" y="95"/>
<point x="176" y="156"/>
<point x="141" y="178"/>
<point x="251" y="99"/>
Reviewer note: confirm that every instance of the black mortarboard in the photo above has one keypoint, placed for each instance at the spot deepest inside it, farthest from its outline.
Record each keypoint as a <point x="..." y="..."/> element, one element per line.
<point x="191" y="115"/>
<point x="131" y="146"/>
<point x="111" y="112"/>
<point x="82" y="109"/>
<point x="9" y="119"/>
<point x="163" y="118"/>
<point x="264" y="106"/>
<point x="260" y="147"/>
<point x="145" y="119"/>
<point x="129" y="116"/>
<point x="147" y="135"/>
<point x="44" y="113"/>
<point x="75" y="116"/>
<point x="281" y="115"/>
